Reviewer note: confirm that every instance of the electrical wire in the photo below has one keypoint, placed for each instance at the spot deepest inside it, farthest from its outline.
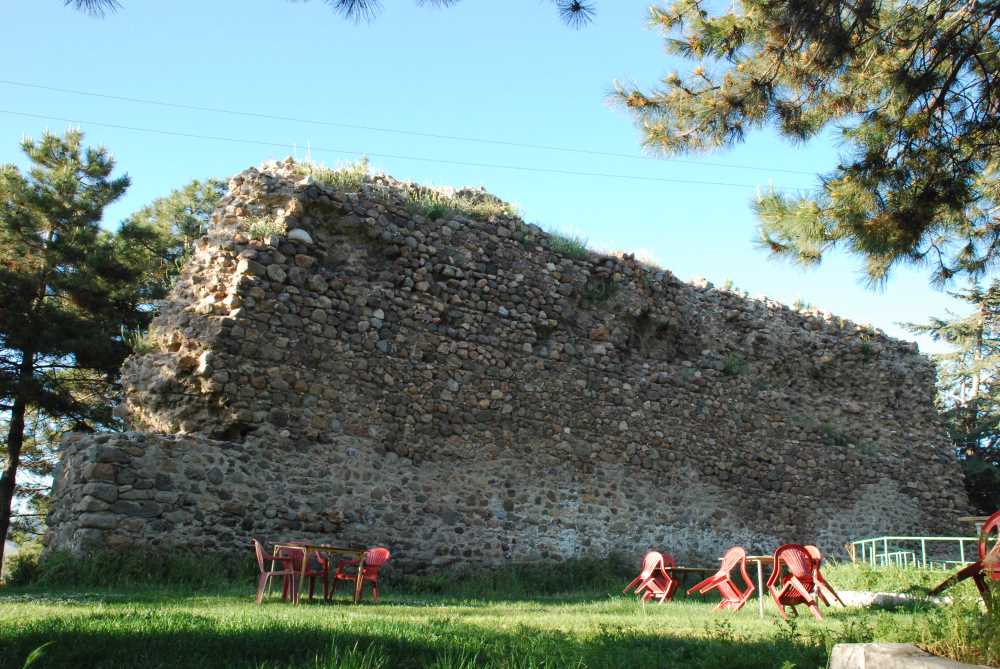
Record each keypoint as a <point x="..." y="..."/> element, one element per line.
<point x="322" y="149"/>
<point x="397" y="131"/>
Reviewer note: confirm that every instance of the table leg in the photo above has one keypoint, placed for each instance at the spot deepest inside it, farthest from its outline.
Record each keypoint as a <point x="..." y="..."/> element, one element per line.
<point x="760" y="588"/>
<point x="302" y="577"/>
<point x="359" y="581"/>
<point x="270" y="579"/>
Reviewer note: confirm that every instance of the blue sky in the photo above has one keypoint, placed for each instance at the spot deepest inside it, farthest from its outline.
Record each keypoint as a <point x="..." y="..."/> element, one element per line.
<point x="503" y="71"/>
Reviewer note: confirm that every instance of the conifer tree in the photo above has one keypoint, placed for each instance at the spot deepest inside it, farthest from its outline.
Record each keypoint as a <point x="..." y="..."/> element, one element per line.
<point x="574" y="12"/>
<point x="65" y="294"/>
<point x="160" y="237"/>
<point x="914" y="88"/>
<point x="969" y="388"/>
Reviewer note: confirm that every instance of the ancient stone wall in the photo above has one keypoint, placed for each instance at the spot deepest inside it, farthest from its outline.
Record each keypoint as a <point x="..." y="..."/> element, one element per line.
<point x="465" y="388"/>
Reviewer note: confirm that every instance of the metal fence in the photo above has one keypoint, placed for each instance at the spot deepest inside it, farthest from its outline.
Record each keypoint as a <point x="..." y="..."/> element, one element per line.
<point x="926" y="552"/>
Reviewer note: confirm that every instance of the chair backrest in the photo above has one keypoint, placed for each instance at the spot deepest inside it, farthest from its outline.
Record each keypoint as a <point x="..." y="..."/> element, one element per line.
<point x="815" y="554"/>
<point x="259" y="551"/>
<point x="733" y="557"/>
<point x="650" y="561"/>
<point x="668" y="560"/>
<point x="990" y="534"/>
<point x="797" y="559"/>
<point x="376" y="557"/>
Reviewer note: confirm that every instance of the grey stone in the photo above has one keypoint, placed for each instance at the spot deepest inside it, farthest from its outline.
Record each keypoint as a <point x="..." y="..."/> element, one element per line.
<point x="889" y="656"/>
<point x="300" y="235"/>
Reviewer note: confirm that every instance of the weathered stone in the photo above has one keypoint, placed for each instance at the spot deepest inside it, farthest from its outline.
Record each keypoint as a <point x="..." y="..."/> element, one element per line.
<point x="276" y="273"/>
<point x="300" y="235"/>
<point x="889" y="656"/>
<point x="458" y="388"/>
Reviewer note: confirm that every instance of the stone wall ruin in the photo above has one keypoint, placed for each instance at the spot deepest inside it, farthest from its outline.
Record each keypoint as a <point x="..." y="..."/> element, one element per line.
<point x="470" y="389"/>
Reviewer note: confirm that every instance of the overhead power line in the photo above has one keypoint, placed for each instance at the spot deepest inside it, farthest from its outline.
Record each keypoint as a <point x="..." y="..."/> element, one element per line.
<point x="323" y="149"/>
<point x="395" y="131"/>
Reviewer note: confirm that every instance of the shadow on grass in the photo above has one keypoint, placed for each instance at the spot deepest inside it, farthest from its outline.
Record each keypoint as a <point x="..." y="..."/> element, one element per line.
<point x="151" y="638"/>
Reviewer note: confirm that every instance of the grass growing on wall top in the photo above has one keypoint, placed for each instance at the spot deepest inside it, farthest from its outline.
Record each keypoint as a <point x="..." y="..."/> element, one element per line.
<point x="434" y="205"/>
<point x="568" y="245"/>
<point x="347" y="177"/>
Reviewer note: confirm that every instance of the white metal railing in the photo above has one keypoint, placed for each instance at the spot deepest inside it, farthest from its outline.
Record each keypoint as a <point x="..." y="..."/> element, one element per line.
<point x="902" y="551"/>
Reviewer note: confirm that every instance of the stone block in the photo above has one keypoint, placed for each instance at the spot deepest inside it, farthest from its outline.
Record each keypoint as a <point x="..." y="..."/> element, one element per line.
<point x="889" y="656"/>
<point x="100" y="521"/>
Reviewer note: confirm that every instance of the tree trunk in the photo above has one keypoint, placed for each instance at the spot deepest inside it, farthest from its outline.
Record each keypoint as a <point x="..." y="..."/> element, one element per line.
<point x="15" y="440"/>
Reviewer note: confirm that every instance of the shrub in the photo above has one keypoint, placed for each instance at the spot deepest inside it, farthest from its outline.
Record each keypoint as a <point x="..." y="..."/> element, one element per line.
<point x="130" y="568"/>
<point x="264" y="227"/>
<point x="22" y="567"/>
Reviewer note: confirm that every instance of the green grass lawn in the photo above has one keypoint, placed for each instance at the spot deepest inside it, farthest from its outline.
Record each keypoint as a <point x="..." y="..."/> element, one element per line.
<point x="226" y="629"/>
<point x="489" y="620"/>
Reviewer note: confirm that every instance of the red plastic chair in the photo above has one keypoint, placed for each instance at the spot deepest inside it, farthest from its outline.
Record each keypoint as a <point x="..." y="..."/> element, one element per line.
<point x="375" y="558"/>
<point x="986" y="568"/>
<point x="797" y="585"/>
<point x="650" y="562"/>
<point x="318" y="569"/>
<point x="732" y="597"/>
<point x="656" y="580"/>
<point x="266" y="574"/>
<point x="822" y="587"/>
<point x="662" y="585"/>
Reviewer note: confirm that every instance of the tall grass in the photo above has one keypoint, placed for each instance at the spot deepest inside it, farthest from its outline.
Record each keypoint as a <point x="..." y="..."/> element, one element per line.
<point x="129" y="569"/>
<point x="435" y="204"/>
<point x="568" y="245"/>
<point x="347" y="178"/>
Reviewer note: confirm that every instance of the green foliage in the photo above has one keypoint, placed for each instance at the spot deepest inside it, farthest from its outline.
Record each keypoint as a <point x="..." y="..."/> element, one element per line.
<point x="575" y="13"/>
<point x="264" y="227"/>
<point x="832" y="435"/>
<point x="160" y="237"/>
<point x="66" y="292"/>
<point x="347" y="178"/>
<point x="591" y="626"/>
<point x="571" y="246"/>
<point x="22" y="567"/>
<point x="141" y="342"/>
<point x="911" y="87"/>
<point x="37" y="655"/>
<point x="734" y="365"/>
<point x="350" y="178"/>
<point x="435" y="205"/>
<point x="520" y="580"/>
<point x="124" y="569"/>
<point x="968" y="393"/>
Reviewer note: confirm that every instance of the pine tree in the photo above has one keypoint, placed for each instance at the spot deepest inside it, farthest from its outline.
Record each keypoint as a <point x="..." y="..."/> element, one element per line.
<point x="65" y="294"/>
<point x="575" y="13"/>
<point x="160" y="237"/>
<point x="914" y="88"/>
<point x="969" y="388"/>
